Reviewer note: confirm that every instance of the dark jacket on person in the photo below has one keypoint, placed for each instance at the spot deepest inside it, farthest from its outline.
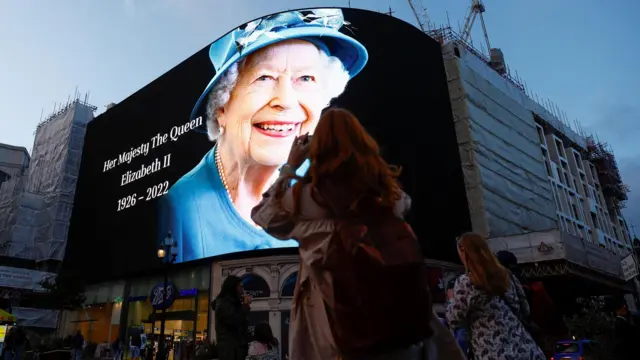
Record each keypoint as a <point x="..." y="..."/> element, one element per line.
<point x="8" y="344"/>
<point x="78" y="341"/>
<point x="232" y="323"/>
<point x="626" y="336"/>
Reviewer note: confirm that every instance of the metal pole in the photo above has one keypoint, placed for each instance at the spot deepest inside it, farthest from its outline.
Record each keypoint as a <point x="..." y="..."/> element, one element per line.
<point x="161" y="343"/>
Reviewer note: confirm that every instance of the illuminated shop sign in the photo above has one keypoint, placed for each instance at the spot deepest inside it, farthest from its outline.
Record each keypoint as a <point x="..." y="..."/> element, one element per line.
<point x="188" y="292"/>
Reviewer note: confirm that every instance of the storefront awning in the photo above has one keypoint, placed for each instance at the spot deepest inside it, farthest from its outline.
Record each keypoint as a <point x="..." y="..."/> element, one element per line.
<point x="6" y="317"/>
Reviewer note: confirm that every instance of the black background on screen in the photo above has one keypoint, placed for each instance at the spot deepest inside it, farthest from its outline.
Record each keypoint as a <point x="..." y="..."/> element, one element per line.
<point x="401" y="97"/>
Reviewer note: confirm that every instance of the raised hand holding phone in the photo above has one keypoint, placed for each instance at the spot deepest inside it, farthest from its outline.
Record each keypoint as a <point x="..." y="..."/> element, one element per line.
<point x="299" y="151"/>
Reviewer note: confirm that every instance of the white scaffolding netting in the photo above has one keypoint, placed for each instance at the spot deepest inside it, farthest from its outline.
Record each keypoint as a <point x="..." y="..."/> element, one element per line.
<point x="35" y="208"/>
<point x="506" y="181"/>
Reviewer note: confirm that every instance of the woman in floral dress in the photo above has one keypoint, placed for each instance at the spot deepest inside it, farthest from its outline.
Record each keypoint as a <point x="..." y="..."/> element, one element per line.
<point x="491" y="304"/>
<point x="264" y="345"/>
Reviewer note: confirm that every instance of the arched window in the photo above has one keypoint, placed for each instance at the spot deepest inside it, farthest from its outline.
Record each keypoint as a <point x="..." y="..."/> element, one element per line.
<point x="289" y="285"/>
<point x="256" y="286"/>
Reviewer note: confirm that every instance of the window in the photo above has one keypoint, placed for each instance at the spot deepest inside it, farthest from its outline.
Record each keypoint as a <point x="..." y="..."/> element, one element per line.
<point x="4" y="176"/>
<point x="574" y="209"/>
<point x="594" y="220"/>
<point x="578" y="159"/>
<point x="289" y="285"/>
<point x="567" y="348"/>
<point x="256" y="286"/>
<point x="540" y="134"/>
<point x="560" y="148"/>
<point x="582" y="232"/>
<point x="546" y="164"/>
<point x="555" y="197"/>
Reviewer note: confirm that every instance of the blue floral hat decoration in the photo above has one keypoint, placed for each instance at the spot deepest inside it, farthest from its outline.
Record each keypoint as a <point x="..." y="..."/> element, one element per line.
<point x="318" y="26"/>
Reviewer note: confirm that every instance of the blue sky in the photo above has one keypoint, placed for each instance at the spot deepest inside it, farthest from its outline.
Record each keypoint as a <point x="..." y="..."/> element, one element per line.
<point x="580" y="54"/>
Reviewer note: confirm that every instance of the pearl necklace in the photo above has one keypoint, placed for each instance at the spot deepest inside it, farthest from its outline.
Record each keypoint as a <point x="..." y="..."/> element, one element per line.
<point x="223" y="178"/>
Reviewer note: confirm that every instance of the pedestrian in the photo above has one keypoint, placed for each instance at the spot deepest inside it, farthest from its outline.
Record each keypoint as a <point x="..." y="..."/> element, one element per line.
<point x="143" y="343"/>
<point x="231" y="311"/>
<point x="626" y="334"/>
<point x="491" y="304"/>
<point x="545" y="323"/>
<point x="461" y="333"/>
<point x="264" y="346"/>
<point x="362" y="290"/>
<point x="116" y="349"/>
<point x="135" y="344"/>
<point x="20" y="343"/>
<point x="8" y="346"/>
<point x="78" y="344"/>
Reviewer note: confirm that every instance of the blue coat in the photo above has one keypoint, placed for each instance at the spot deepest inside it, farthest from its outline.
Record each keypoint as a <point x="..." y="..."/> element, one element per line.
<point x="203" y="220"/>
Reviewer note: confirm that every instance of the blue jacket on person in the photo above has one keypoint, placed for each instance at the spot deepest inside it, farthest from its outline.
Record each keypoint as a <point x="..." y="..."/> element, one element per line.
<point x="203" y="220"/>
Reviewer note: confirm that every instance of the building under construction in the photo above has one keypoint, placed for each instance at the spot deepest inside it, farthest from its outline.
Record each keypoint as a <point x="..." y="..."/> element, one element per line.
<point x="536" y="184"/>
<point x="35" y="204"/>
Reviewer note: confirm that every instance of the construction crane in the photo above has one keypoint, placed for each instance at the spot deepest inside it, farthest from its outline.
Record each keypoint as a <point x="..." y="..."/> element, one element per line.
<point x="420" y="13"/>
<point x="476" y="10"/>
<point x="496" y="57"/>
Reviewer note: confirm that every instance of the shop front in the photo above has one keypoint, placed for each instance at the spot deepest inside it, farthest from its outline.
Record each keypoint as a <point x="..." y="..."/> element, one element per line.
<point x="186" y="306"/>
<point x="271" y="282"/>
<point x="7" y="321"/>
<point x="99" y="318"/>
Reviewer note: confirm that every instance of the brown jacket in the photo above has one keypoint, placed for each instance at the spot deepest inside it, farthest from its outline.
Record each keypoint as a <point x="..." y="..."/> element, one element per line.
<point x="312" y="227"/>
<point x="310" y="336"/>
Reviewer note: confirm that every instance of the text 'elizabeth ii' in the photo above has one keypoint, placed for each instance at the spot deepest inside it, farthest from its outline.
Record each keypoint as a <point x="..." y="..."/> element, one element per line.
<point x="131" y="176"/>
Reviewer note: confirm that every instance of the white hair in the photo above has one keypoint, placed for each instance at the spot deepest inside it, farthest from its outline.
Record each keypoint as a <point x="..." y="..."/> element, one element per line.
<point x="334" y="86"/>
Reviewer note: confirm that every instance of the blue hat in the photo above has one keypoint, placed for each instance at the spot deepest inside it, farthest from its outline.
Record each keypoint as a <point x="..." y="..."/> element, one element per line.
<point x="318" y="26"/>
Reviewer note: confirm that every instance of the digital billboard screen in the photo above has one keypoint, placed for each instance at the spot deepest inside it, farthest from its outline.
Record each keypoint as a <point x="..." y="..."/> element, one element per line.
<point x="192" y="152"/>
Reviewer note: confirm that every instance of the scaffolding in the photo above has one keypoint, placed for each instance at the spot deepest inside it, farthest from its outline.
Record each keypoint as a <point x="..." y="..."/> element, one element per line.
<point x="446" y="34"/>
<point x="35" y="207"/>
<point x="613" y="189"/>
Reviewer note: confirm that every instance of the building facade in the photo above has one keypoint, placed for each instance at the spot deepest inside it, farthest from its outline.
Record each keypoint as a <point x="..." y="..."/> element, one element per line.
<point x="120" y="307"/>
<point x="35" y="206"/>
<point x="534" y="185"/>
<point x="14" y="161"/>
<point x="36" y="198"/>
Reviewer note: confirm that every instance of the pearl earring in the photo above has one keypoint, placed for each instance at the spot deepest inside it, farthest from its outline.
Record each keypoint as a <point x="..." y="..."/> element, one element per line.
<point x="221" y="130"/>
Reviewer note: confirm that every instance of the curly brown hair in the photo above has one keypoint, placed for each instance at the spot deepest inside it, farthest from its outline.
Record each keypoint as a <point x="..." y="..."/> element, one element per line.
<point x="341" y="149"/>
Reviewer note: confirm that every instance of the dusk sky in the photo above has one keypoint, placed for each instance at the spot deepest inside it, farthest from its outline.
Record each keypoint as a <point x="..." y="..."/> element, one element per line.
<point x="580" y="54"/>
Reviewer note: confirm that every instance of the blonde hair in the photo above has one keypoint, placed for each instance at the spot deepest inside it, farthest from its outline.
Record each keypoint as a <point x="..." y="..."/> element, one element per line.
<point x="483" y="268"/>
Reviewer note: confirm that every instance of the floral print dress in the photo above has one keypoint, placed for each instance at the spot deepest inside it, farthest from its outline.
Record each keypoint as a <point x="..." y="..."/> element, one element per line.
<point x="495" y="328"/>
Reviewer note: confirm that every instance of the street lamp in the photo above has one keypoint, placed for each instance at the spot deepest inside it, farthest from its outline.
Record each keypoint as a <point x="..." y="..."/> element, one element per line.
<point x="169" y="247"/>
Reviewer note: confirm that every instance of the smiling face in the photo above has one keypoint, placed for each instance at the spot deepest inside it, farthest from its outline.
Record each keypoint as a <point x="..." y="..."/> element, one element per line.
<point x="279" y="95"/>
